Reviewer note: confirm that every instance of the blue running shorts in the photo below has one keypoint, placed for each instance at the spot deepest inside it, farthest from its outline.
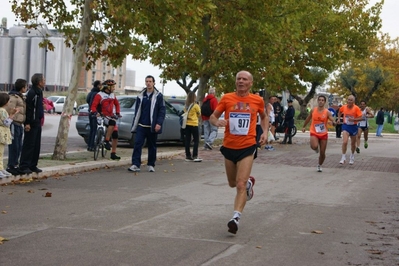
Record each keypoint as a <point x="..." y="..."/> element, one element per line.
<point x="351" y="129"/>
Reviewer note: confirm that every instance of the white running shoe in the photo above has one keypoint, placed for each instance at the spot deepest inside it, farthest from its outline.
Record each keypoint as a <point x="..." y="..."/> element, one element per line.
<point x="319" y="168"/>
<point x="4" y="172"/>
<point x="352" y="160"/>
<point x="150" y="168"/>
<point x="133" y="168"/>
<point x="343" y="159"/>
<point x="250" y="188"/>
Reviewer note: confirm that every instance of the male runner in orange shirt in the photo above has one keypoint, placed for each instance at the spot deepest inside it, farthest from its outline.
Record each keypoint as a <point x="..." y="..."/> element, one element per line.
<point x="351" y="116"/>
<point x="239" y="144"/>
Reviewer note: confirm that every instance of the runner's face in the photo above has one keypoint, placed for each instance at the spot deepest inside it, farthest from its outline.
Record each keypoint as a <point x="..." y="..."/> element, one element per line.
<point x="350" y="101"/>
<point x="321" y="102"/>
<point x="243" y="82"/>
<point x="362" y="105"/>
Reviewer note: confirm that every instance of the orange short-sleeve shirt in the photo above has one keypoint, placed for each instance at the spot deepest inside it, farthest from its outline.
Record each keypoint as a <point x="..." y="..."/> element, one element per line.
<point x="319" y="122"/>
<point x="353" y="112"/>
<point x="241" y="113"/>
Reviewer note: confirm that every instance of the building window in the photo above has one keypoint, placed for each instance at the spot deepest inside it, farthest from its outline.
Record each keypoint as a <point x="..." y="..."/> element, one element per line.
<point x="93" y="77"/>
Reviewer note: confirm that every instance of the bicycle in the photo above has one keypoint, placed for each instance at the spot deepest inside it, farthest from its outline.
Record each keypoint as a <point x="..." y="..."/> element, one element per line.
<point x="99" y="141"/>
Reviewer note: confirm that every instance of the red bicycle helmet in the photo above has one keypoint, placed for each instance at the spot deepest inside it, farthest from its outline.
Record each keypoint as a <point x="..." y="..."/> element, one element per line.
<point x="109" y="82"/>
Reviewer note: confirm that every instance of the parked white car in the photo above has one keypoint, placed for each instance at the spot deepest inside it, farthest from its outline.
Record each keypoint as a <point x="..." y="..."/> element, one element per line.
<point x="58" y="102"/>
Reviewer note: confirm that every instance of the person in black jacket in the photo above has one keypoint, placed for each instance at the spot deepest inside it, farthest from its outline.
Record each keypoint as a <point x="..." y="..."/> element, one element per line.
<point x="338" y="126"/>
<point x="380" y="122"/>
<point x="289" y="123"/>
<point x="33" y="126"/>
<point x="92" y="118"/>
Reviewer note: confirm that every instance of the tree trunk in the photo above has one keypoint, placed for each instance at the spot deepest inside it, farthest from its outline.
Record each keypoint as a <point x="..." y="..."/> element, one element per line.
<point x="303" y="111"/>
<point x="63" y="128"/>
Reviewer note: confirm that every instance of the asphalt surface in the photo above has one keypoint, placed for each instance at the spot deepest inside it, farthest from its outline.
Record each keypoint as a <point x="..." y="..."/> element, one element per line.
<point x="101" y="214"/>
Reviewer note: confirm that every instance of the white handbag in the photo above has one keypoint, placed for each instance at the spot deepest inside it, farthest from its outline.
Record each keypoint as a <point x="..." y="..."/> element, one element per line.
<point x="183" y="117"/>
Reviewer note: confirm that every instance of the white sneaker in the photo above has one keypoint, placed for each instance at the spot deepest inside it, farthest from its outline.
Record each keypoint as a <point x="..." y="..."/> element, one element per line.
<point x="134" y="168"/>
<point x="150" y="168"/>
<point x="352" y="159"/>
<point x="197" y="160"/>
<point x="319" y="168"/>
<point x="343" y="159"/>
<point x="2" y="175"/>
<point x="5" y="173"/>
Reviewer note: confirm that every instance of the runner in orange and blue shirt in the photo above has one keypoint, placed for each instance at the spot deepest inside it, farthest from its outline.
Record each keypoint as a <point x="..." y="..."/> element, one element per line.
<point x="318" y="129"/>
<point x="351" y="116"/>
<point x="239" y="144"/>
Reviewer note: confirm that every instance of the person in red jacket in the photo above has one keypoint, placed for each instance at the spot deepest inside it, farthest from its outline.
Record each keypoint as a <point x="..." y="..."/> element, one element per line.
<point x="103" y="104"/>
<point x="210" y="131"/>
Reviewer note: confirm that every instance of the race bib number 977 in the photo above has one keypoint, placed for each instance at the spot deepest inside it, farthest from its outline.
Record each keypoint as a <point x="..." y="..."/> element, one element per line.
<point x="239" y="123"/>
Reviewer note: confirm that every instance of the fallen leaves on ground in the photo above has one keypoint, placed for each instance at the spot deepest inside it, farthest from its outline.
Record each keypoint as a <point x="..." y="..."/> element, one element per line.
<point x="374" y="251"/>
<point x="2" y="239"/>
<point x="48" y="194"/>
<point x="317" y="232"/>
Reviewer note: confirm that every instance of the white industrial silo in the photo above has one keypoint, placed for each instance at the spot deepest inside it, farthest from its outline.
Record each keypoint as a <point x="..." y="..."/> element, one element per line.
<point x="20" y="64"/>
<point x="67" y="67"/>
<point x="37" y="57"/>
<point x="54" y="62"/>
<point x="6" y="57"/>
<point x="17" y="31"/>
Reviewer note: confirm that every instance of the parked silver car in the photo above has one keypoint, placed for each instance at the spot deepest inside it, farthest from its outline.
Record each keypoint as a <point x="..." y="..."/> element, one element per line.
<point x="170" y="131"/>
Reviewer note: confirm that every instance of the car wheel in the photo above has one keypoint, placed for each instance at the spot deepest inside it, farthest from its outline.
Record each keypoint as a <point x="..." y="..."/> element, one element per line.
<point x="86" y="139"/>
<point x="131" y="141"/>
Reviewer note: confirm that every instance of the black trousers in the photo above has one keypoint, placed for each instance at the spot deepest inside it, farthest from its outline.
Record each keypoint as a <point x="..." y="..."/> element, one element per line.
<point x="31" y="147"/>
<point x="338" y="130"/>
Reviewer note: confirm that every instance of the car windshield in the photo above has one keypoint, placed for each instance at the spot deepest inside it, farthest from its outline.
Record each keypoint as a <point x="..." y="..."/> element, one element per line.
<point x="178" y="106"/>
<point x="53" y="98"/>
<point x="126" y="102"/>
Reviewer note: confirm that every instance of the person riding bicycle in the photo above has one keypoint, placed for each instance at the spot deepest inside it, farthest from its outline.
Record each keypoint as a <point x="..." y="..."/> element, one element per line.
<point x="103" y="104"/>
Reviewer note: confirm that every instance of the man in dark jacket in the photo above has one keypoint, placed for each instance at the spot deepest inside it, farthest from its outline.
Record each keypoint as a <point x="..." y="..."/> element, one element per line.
<point x="147" y="124"/>
<point x="210" y="131"/>
<point x="289" y="123"/>
<point x="92" y="118"/>
<point x="33" y="126"/>
<point x="380" y="122"/>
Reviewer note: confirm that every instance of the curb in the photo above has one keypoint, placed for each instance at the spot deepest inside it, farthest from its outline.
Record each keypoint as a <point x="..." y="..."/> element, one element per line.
<point x="69" y="169"/>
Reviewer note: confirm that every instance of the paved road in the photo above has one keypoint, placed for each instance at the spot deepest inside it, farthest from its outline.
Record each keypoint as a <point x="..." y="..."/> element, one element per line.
<point x="347" y="215"/>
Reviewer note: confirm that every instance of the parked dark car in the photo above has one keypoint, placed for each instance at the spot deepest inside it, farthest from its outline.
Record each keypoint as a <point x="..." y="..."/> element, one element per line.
<point x="178" y="104"/>
<point x="170" y="131"/>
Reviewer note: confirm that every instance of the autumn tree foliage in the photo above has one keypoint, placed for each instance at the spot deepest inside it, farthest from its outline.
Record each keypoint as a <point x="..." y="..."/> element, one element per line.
<point x="374" y="79"/>
<point x="107" y="30"/>
<point x="209" y="41"/>
<point x="278" y="41"/>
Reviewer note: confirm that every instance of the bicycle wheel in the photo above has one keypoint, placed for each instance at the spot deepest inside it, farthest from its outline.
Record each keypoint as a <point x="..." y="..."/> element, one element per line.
<point x="103" y="149"/>
<point x="293" y="131"/>
<point x="98" y="142"/>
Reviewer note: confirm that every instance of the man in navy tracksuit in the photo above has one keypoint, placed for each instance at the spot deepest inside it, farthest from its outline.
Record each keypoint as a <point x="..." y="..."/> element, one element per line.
<point x="147" y="124"/>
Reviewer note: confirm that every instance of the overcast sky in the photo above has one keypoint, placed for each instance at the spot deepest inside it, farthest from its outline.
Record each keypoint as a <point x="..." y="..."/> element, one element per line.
<point x="389" y="25"/>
